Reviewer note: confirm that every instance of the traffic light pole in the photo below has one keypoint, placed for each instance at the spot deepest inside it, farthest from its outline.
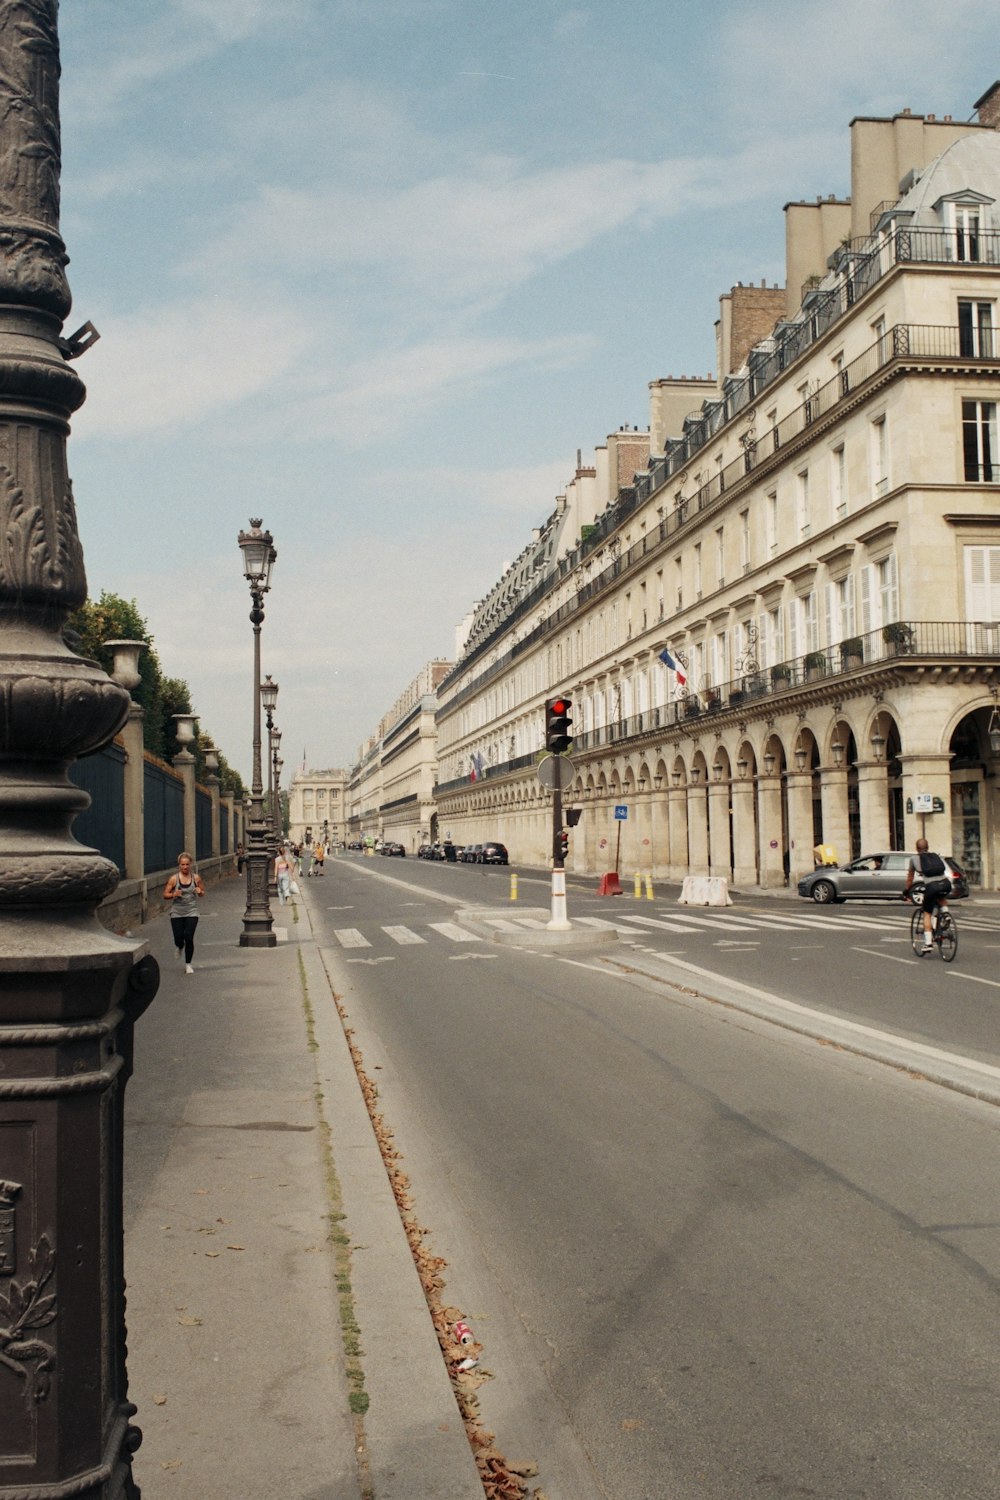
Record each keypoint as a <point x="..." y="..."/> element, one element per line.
<point x="558" y="921"/>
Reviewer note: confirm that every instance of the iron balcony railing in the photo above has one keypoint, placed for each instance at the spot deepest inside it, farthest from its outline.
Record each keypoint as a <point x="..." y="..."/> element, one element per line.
<point x="934" y="639"/>
<point x="905" y="341"/>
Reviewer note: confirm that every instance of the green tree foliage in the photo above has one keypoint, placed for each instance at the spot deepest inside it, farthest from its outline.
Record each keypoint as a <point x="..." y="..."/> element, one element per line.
<point x="112" y="618"/>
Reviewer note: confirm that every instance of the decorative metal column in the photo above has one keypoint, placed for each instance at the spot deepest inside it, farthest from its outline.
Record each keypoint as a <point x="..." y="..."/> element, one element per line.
<point x="70" y="992"/>
<point x="258" y="560"/>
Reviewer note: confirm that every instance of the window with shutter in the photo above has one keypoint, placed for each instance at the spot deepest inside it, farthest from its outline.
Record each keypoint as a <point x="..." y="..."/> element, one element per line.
<point x="982" y="583"/>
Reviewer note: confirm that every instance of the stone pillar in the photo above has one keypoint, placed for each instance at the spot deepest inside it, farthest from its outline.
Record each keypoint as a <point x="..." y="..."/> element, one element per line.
<point x="184" y="762"/>
<point x="745" y="870"/>
<point x="659" y="826"/>
<point x="227" y="816"/>
<point x="930" y="774"/>
<point x="697" y="822"/>
<point x="677" y="815"/>
<point x="70" y="992"/>
<point x="718" y="829"/>
<point x="769" y="832"/>
<point x="800" y="825"/>
<point x="126" y="672"/>
<point x="873" y="804"/>
<point x="836" y="825"/>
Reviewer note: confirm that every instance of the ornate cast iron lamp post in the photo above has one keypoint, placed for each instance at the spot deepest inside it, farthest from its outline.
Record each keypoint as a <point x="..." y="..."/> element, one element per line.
<point x="70" y="992"/>
<point x="258" y="559"/>
<point x="268" y="702"/>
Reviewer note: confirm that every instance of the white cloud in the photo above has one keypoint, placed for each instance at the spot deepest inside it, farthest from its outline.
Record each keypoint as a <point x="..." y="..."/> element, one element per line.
<point x="387" y="393"/>
<point x="170" y="366"/>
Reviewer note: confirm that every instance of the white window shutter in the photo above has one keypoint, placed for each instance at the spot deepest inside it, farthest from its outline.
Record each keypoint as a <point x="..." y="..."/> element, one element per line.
<point x="833" y="623"/>
<point x="867" y="611"/>
<point x="793" y="628"/>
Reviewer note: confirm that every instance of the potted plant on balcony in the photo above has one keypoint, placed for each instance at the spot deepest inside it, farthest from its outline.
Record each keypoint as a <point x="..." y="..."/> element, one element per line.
<point x="852" y="653"/>
<point x="815" y="665"/>
<point x="781" y="675"/>
<point x="899" y="637"/>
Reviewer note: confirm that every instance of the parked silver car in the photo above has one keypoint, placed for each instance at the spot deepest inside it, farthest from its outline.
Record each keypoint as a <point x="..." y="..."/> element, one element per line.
<point x="872" y="877"/>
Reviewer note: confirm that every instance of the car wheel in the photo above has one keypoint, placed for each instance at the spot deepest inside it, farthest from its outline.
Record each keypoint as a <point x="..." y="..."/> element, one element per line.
<point x="823" y="892"/>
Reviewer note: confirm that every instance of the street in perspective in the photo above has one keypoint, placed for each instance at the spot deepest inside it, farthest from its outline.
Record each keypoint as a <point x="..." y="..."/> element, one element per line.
<point x="478" y="1029"/>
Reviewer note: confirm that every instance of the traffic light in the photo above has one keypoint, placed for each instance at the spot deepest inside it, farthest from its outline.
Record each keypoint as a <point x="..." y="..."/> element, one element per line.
<point x="557" y="724"/>
<point x="573" y="816"/>
<point x="564" y="843"/>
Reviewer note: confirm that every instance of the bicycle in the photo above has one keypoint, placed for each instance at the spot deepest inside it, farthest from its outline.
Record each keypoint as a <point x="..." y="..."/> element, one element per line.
<point x="944" y="933"/>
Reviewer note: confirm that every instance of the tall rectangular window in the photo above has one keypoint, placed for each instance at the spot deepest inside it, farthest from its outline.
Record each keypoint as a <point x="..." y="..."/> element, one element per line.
<point x="802" y="490"/>
<point x="697" y="570"/>
<point x="979" y="442"/>
<point x="880" y="457"/>
<point x="720" y="554"/>
<point x="745" y="540"/>
<point x="965" y="218"/>
<point x="982" y="583"/>
<point x="975" y="330"/>
<point x="888" y="590"/>
<point x="771" y="519"/>
<point x="838" y="481"/>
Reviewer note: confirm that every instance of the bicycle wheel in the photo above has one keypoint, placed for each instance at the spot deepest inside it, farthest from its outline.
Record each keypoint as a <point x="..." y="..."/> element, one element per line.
<point x="947" y="937"/>
<point x="917" y="931"/>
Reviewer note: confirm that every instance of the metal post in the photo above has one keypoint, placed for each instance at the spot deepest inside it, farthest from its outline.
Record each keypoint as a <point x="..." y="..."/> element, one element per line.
<point x="257" y="931"/>
<point x="70" y="992"/>
<point x="558" y="920"/>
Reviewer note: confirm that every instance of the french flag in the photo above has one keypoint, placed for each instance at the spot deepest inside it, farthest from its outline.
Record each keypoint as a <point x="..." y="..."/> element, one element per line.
<point x="677" y="670"/>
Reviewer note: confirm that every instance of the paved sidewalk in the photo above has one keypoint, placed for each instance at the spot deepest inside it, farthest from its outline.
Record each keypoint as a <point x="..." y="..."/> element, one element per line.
<point x="236" y="1356"/>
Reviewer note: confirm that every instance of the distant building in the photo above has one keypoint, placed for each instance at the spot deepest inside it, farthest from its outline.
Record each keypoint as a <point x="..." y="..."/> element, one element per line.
<point x="390" y="789"/>
<point x="815" y="538"/>
<point x="317" y="807"/>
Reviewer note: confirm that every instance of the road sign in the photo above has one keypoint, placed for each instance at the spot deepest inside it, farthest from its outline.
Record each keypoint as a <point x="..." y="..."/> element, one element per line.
<point x="621" y="812"/>
<point x="554" y="766"/>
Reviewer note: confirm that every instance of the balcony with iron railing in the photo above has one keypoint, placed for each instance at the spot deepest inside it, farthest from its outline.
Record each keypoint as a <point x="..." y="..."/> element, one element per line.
<point x="758" y="691"/>
<point x="924" y="344"/>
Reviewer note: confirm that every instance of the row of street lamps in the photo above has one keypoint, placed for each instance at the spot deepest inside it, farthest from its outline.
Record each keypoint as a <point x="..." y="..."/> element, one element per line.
<point x="263" y="826"/>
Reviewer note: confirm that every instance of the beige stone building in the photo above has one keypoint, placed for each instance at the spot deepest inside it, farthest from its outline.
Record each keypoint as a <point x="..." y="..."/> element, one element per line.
<point x="317" y="807"/>
<point x="391" y="785"/>
<point x="814" y="537"/>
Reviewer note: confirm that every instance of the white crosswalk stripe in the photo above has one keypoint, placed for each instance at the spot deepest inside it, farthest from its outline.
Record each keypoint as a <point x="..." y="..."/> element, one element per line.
<point x="455" y="933"/>
<point x="403" y="935"/>
<point x="350" y="937"/>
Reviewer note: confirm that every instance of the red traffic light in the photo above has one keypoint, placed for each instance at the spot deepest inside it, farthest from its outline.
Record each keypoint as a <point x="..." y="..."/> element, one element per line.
<point x="558" y="735"/>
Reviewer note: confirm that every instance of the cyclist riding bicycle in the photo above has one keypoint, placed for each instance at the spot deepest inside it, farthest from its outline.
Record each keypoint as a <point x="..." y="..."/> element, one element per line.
<point x="932" y="870"/>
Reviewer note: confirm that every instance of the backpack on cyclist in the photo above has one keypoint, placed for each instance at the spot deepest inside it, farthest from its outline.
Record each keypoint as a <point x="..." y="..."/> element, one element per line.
<point x="935" y="873"/>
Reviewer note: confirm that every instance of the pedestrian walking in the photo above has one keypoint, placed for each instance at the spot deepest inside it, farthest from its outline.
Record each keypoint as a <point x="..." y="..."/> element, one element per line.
<point x="241" y="858"/>
<point x="182" y="891"/>
<point x="319" y="855"/>
<point x="283" y="876"/>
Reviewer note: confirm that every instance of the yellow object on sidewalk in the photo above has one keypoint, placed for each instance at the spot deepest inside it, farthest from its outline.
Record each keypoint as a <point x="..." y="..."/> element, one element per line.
<point x="649" y="888"/>
<point x="513" y="885"/>
<point x="637" y="890"/>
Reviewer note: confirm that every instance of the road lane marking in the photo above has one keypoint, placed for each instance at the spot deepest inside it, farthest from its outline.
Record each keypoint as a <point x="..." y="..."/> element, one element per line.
<point x="655" y="922"/>
<point x="386" y="958"/>
<point x="403" y="935"/>
<point x="454" y="932"/>
<point x="350" y="937"/>
<point x="974" y="978"/>
<point x="876" y="953"/>
<point x="457" y="958"/>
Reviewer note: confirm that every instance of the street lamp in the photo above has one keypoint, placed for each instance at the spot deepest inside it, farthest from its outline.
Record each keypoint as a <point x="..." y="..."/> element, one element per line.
<point x="257" y="547"/>
<point x="994" y="729"/>
<point x="838" y="753"/>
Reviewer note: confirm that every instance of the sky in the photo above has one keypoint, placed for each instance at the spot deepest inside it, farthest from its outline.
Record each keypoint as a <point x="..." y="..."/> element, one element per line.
<point x="375" y="271"/>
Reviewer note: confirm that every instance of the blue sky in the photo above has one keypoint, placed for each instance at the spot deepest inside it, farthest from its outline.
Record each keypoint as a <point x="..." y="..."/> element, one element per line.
<point x="376" y="269"/>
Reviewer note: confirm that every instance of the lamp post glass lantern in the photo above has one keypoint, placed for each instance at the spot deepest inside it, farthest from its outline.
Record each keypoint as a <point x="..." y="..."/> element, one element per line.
<point x="257" y="548"/>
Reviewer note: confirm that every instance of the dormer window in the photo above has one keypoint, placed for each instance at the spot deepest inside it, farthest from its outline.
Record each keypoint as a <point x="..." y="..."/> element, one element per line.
<point x="965" y="224"/>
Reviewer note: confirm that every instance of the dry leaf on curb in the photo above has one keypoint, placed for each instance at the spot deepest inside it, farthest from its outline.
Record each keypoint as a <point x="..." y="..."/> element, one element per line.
<point x="201" y="1192"/>
<point x="159" y="1400"/>
<point x="213" y="1254"/>
<point x="190" y="1322"/>
<point x="236" y="1247"/>
<point x="631" y="1424"/>
<point x="173" y="1463"/>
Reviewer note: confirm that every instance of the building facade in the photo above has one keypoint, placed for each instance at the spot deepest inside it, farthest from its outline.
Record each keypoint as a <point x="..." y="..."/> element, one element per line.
<point x="317" y="807"/>
<point x="391" y="785"/>
<point x="816" y="545"/>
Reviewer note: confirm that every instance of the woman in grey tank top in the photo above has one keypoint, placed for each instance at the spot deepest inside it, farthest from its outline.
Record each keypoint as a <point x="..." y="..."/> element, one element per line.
<point x="182" y="891"/>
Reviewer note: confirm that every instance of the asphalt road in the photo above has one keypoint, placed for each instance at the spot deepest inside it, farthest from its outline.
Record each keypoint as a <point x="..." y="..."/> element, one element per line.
<point x="707" y="1257"/>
